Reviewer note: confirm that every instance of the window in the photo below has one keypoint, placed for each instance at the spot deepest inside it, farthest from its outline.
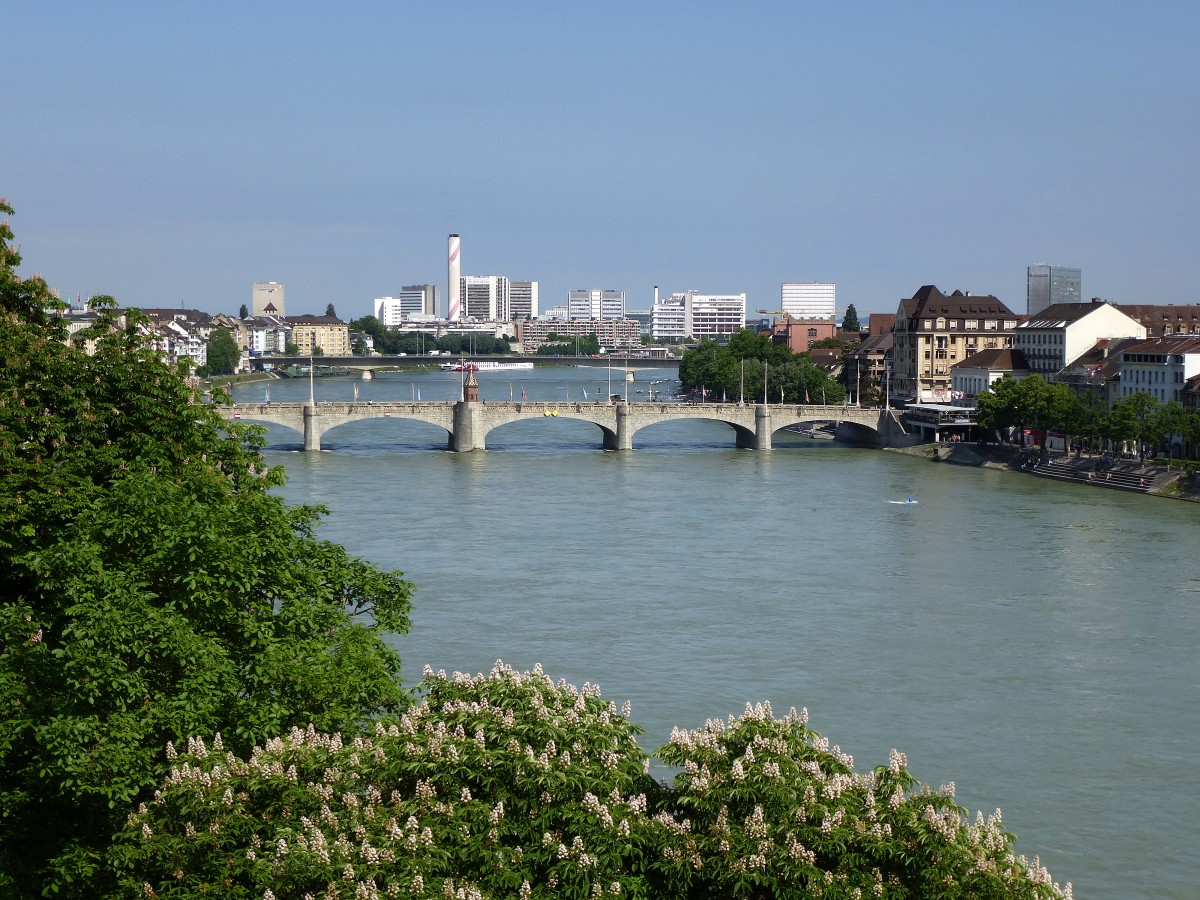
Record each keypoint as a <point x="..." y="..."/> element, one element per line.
<point x="953" y="324"/>
<point x="972" y="325"/>
<point x="941" y="324"/>
<point x="812" y="332"/>
<point x="929" y="324"/>
<point x="989" y="325"/>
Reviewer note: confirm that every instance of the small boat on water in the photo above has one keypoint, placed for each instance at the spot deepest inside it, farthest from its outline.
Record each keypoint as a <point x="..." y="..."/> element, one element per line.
<point x="485" y="365"/>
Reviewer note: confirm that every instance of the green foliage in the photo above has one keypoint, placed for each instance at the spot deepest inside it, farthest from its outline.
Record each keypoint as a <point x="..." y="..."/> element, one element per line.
<point x="1025" y="402"/>
<point x="223" y="353"/>
<point x="850" y="319"/>
<point x="154" y="588"/>
<point x="833" y="343"/>
<point x="566" y="345"/>
<point x="243" y="312"/>
<point x="290" y="349"/>
<point x="736" y="371"/>
<point x="329" y="311"/>
<point x="513" y="786"/>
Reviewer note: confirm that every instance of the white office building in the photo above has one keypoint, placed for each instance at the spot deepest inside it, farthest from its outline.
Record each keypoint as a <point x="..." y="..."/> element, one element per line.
<point x="595" y="304"/>
<point x="415" y="301"/>
<point x="266" y="299"/>
<point x="484" y="297"/>
<point x="522" y="300"/>
<point x="698" y="316"/>
<point x="808" y="299"/>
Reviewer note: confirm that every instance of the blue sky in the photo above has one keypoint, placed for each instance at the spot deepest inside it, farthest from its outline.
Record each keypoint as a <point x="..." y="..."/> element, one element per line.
<point x="173" y="154"/>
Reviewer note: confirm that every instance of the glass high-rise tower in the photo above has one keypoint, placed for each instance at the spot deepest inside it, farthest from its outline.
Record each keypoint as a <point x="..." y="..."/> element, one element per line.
<point x="1048" y="285"/>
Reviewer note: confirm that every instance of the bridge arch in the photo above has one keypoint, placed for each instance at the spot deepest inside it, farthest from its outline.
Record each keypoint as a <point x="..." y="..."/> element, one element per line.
<point x="744" y="435"/>
<point x="603" y="416"/>
<point x="444" y="439"/>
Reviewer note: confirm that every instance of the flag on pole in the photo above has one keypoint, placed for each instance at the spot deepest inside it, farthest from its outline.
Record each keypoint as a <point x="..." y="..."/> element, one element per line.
<point x="585" y="393"/>
<point x="356" y="393"/>
<point x="524" y="396"/>
<point x="806" y="400"/>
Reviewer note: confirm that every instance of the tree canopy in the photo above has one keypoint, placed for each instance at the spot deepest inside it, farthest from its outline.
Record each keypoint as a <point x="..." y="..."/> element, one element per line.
<point x="510" y="785"/>
<point x="223" y="354"/>
<point x="736" y="371"/>
<point x="154" y="589"/>
<point x="1138" y="418"/>
<point x="850" y="319"/>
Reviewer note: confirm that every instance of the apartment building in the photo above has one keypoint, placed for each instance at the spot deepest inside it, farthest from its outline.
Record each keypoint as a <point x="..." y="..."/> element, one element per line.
<point x="1060" y="334"/>
<point x="1160" y="367"/>
<point x="933" y="331"/>
<point x="613" y="334"/>
<point x="329" y="334"/>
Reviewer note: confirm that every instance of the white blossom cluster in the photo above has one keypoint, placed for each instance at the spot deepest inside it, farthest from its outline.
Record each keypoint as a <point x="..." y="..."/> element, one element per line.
<point x="462" y="775"/>
<point x="513" y="785"/>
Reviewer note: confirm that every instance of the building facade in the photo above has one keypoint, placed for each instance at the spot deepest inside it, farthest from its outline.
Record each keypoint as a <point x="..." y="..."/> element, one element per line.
<point x="612" y="334"/>
<point x="1051" y="285"/>
<point x="329" y="334"/>
<point x="595" y="304"/>
<point x="1164" y="319"/>
<point x="266" y="299"/>
<point x="808" y="299"/>
<point x="523" y="300"/>
<point x="980" y="371"/>
<point x="1160" y="367"/>
<point x="1060" y="334"/>
<point x="698" y="316"/>
<point x="414" y="302"/>
<point x="484" y="297"/>
<point x="800" y="334"/>
<point x="934" y="331"/>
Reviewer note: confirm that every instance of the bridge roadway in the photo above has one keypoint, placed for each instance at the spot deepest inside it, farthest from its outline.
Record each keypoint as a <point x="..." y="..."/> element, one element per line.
<point x="469" y="423"/>
<point x="616" y="361"/>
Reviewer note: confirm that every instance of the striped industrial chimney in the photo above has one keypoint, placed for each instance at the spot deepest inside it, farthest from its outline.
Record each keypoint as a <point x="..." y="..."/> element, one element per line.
<point x="453" y="298"/>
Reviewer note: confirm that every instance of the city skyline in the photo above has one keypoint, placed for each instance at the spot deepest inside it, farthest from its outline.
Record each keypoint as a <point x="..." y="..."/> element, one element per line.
<point x="175" y="157"/>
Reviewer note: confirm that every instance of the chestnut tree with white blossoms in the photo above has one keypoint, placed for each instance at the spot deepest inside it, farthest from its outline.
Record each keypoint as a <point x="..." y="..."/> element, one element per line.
<point x="512" y="785"/>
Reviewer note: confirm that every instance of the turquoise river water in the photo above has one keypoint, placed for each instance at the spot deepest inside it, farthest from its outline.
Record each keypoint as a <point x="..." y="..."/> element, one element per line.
<point x="1035" y="643"/>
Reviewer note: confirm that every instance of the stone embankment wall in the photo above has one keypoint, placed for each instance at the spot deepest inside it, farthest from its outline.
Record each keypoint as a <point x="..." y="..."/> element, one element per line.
<point x="1172" y="483"/>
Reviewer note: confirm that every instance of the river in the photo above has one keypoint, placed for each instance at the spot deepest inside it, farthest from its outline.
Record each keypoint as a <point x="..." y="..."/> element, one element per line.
<point x="1033" y="642"/>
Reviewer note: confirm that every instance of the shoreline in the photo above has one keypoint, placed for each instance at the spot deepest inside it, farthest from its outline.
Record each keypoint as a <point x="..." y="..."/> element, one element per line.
<point x="1168" y="483"/>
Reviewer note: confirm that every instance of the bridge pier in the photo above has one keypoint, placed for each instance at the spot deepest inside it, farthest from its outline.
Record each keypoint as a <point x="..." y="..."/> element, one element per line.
<point x="762" y="427"/>
<point x="312" y="431"/>
<point x="469" y="429"/>
<point x="624" y="435"/>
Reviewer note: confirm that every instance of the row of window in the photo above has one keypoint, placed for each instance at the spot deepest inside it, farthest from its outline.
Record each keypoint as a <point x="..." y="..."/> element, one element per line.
<point x="966" y="324"/>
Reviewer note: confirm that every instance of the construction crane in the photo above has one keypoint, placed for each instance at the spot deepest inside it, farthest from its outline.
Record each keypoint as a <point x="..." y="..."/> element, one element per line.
<point x="775" y="312"/>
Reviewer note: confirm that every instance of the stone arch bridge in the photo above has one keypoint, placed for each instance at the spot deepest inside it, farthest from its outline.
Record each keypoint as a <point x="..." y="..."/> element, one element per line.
<point x="468" y="423"/>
